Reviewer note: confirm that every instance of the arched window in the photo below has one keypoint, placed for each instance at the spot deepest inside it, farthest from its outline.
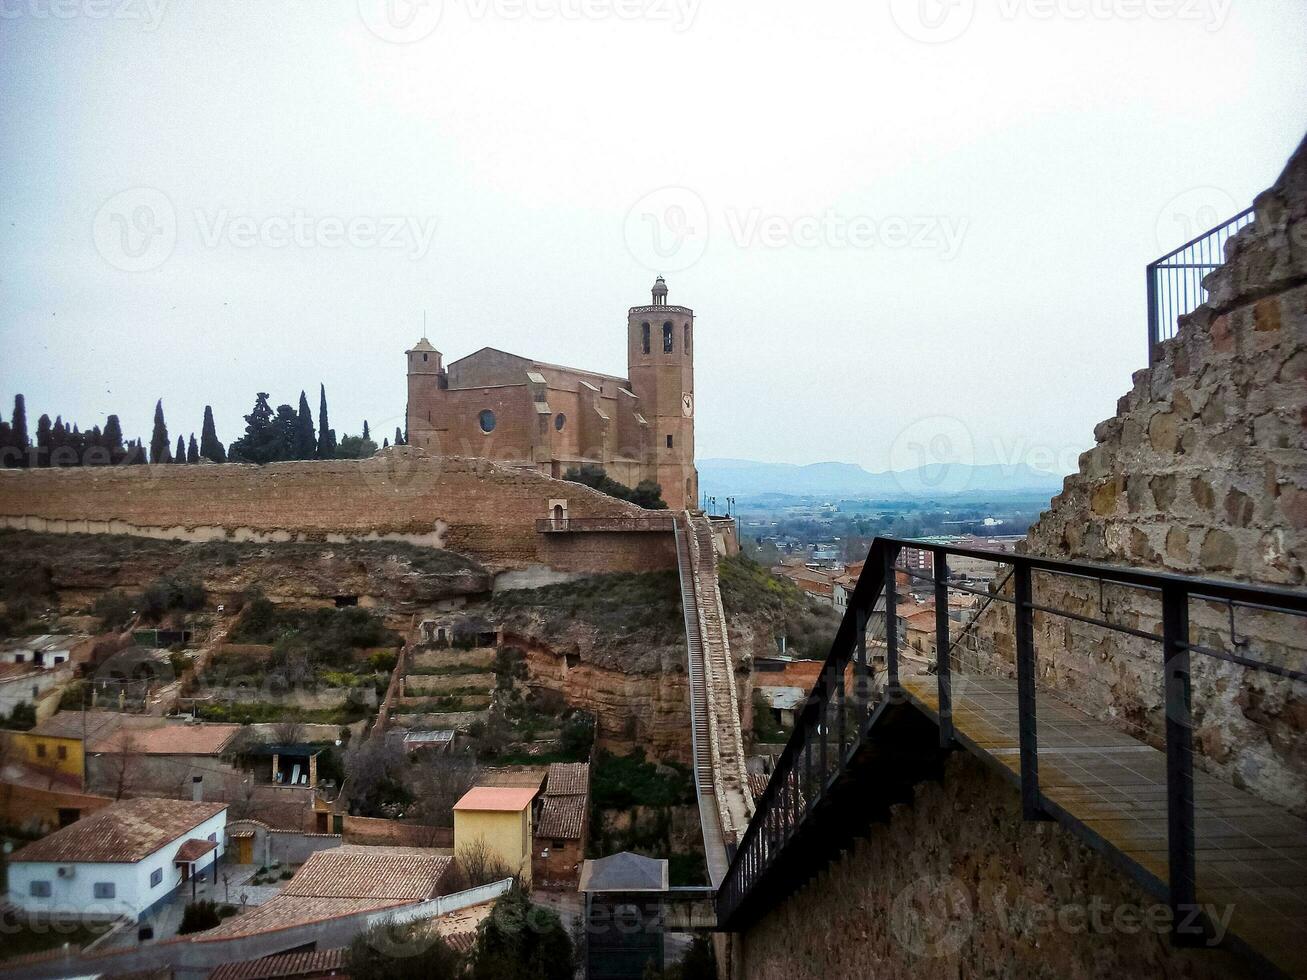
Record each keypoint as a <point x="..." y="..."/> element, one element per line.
<point x="667" y="337"/>
<point x="424" y="358"/>
<point x="560" y="420"/>
<point x="686" y="346"/>
<point x="644" y="335"/>
<point x="487" y="420"/>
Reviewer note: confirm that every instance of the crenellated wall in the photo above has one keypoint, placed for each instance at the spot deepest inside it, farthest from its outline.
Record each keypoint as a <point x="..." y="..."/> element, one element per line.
<point x="470" y="506"/>
<point x="1203" y="471"/>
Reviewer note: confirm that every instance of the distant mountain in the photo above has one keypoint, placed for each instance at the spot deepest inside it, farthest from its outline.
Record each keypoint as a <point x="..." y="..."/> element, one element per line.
<point x="742" y="477"/>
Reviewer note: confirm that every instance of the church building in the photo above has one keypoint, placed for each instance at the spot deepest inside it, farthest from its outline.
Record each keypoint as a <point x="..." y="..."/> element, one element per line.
<point x="549" y="418"/>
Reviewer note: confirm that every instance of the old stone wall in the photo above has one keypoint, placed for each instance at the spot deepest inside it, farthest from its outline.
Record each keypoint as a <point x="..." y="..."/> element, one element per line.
<point x="956" y="885"/>
<point x="470" y="506"/>
<point x="1202" y="472"/>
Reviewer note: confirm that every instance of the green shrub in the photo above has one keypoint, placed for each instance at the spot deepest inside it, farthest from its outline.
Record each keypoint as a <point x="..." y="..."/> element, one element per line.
<point x="198" y="916"/>
<point x="624" y="781"/>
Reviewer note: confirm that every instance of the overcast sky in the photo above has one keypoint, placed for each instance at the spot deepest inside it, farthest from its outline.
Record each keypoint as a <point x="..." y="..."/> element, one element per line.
<point x="901" y="225"/>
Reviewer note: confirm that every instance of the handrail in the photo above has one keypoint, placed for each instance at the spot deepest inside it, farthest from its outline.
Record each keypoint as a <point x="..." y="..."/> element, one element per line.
<point x="1175" y="281"/>
<point x="792" y="792"/>
<point x="546" y="525"/>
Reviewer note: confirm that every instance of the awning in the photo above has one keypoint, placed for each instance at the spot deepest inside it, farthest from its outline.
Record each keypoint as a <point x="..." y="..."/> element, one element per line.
<point x="193" y="850"/>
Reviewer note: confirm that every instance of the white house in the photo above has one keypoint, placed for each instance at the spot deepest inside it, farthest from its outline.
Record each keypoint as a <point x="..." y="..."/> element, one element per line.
<point x="47" y="650"/>
<point x="123" y="860"/>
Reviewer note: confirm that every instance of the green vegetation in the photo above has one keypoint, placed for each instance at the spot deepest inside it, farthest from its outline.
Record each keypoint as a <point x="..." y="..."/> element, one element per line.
<point x="199" y="916"/>
<point x="634" y="609"/>
<point x="452" y="670"/>
<point x="750" y="590"/>
<point x="261" y="712"/>
<point x="522" y="941"/>
<point x="26" y="933"/>
<point x="765" y="726"/>
<point x="325" y="631"/>
<point x="623" y="781"/>
<point x="474" y="701"/>
<point x="21" y="718"/>
<point x="647" y="493"/>
<point x="412" y="950"/>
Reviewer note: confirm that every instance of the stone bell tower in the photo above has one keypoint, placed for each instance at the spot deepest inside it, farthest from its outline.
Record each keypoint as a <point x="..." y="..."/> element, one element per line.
<point x="660" y="365"/>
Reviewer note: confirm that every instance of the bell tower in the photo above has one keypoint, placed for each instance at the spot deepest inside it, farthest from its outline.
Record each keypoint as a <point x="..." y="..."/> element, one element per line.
<point x="660" y="365"/>
<point x="426" y="382"/>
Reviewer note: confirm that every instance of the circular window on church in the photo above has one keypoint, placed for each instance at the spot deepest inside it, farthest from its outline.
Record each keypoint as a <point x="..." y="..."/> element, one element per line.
<point x="487" y="419"/>
<point x="560" y="420"/>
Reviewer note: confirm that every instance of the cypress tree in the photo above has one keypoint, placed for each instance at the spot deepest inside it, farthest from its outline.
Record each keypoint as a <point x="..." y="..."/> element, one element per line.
<point x="193" y="450"/>
<point x="112" y="440"/>
<point x="159" y="439"/>
<point x="96" y="453"/>
<point x="399" y="437"/>
<point x="180" y="455"/>
<point x="210" y="448"/>
<point x="326" y="435"/>
<point x="18" y="430"/>
<point x="306" y="445"/>
<point x="366" y="434"/>
<point x="385" y="443"/>
<point x="44" y="440"/>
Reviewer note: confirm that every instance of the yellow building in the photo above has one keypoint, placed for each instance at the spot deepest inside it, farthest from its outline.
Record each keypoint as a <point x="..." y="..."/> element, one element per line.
<point x="57" y="743"/>
<point x="500" y="816"/>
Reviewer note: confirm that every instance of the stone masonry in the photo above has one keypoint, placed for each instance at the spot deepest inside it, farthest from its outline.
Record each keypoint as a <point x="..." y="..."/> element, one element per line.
<point x="1201" y="472"/>
<point x="470" y="506"/>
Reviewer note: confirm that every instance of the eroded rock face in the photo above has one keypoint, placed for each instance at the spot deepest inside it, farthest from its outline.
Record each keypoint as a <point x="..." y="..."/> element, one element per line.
<point x="400" y="579"/>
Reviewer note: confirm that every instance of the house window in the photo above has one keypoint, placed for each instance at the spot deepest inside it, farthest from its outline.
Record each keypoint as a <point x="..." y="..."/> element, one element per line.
<point x="40" y="750"/>
<point x="669" y="440"/>
<point x="644" y="337"/>
<point x="487" y="420"/>
<point x="39" y="889"/>
<point x="667" y="338"/>
<point x="62" y="751"/>
<point x="104" y="889"/>
<point x="156" y="876"/>
<point x="558" y="845"/>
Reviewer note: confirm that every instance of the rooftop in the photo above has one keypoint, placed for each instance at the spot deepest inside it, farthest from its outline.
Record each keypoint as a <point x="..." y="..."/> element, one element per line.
<point x="123" y="833"/>
<point x="356" y="873"/>
<point x="312" y="963"/>
<point x="168" y="740"/>
<point x="624" y="872"/>
<point x="508" y="799"/>
<point x="562" y="817"/>
<point x="568" y="779"/>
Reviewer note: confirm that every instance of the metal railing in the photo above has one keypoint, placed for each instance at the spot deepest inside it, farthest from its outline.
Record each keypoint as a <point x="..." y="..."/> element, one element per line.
<point x="563" y="525"/>
<point x="1175" y="281"/>
<point x="835" y="721"/>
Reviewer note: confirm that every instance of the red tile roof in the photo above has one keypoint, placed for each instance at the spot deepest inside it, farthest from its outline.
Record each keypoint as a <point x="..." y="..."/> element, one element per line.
<point x="507" y="799"/>
<point x="313" y="963"/>
<point x="562" y="817"/>
<point x="123" y="832"/>
<point x="357" y="874"/>
<point x="169" y="740"/>
<point x="194" y="849"/>
<point x="568" y="779"/>
<point x="284" y="911"/>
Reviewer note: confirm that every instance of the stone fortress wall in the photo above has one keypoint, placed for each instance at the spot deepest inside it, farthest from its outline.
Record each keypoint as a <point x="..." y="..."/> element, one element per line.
<point x="1203" y="471"/>
<point x="470" y="506"/>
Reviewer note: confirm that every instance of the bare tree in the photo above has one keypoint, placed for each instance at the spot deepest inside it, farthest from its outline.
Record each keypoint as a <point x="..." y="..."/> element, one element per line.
<point x="477" y="863"/>
<point x="124" y="762"/>
<point x="440" y="784"/>
<point x="288" y="732"/>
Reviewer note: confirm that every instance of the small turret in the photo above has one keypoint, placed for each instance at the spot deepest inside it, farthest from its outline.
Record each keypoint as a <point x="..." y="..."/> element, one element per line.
<point x="660" y="292"/>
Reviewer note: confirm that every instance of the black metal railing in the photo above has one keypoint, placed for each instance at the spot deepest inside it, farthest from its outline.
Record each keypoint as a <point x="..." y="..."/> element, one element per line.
<point x="562" y="525"/>
<point x="835" y="720"/>
<point x="1175" y="281"/>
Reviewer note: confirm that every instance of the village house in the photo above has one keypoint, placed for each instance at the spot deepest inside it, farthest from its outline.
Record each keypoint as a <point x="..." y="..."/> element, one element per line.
<point x="46" y="650"/>
<point x="499" y="817"/>
<point x="123" y="860"/>
<point x="563" y="827"/>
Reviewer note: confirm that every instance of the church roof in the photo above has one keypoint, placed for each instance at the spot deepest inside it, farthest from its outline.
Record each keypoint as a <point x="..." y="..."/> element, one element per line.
<point x="424" y="345"/>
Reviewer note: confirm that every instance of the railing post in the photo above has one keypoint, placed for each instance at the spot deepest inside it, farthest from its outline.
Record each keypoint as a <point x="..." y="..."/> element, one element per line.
<point x="1029" y="731"/>
<point x="1153" y="314"/>
<point x="823" y="727"/>
<point x="862" y="672"/>
<point x="891" y="622"/>
<point x="943" y="671"/>
<point x="1179" y="767"/>
<point x="840" y="712"/>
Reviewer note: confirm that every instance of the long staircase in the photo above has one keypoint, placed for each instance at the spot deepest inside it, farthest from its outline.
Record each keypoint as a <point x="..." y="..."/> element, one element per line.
<point x="721" y="782"/>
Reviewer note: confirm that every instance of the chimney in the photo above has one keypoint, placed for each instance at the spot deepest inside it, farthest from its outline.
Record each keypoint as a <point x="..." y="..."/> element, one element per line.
<point x="197" y="789"/>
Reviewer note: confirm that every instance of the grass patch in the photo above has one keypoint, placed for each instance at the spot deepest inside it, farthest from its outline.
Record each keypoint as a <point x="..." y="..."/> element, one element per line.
<point x="627" y="608"/>
<point x="263" y="712"/>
